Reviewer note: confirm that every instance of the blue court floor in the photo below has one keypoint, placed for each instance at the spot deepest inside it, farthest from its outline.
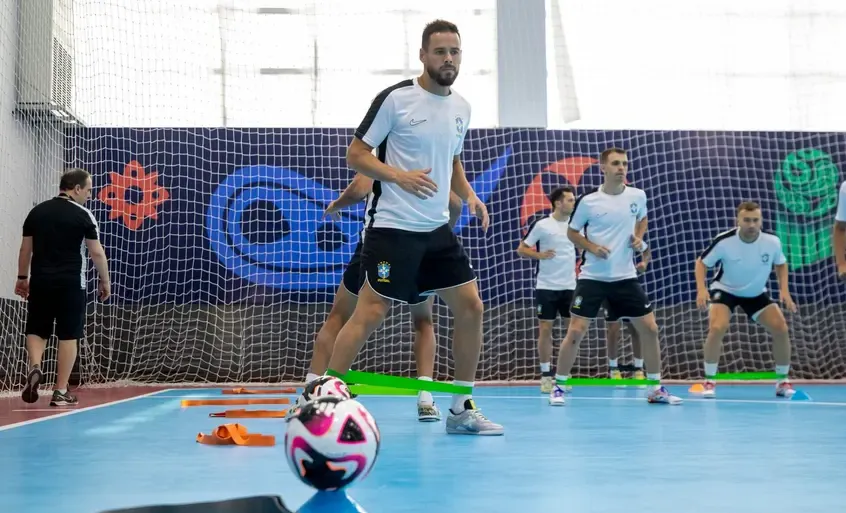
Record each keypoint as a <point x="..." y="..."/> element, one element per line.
<point x="606" y="451"/>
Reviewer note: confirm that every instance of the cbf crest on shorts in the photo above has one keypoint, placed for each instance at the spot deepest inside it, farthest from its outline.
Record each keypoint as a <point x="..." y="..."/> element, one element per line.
<point x="383" y="269"/>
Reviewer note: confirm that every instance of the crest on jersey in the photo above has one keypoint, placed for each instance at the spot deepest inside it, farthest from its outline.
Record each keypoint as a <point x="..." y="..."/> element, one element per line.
<point x="459" y="125"/>
<point x="383" y="269"/>
<point x="577" y="301"/>
<point x="633" y="208"/>
<point x="765" y="258"/>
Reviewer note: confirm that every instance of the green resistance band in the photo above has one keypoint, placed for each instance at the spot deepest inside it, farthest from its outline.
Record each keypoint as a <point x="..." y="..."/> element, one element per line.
<point x="607" y="382"/>
<point x="381" y="380"/>
<point x="748" y="376"/>
<point x="371" y="390"/>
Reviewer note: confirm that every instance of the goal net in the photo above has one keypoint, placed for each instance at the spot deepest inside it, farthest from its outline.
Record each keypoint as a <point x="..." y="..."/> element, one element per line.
<point x="214" y="155"/>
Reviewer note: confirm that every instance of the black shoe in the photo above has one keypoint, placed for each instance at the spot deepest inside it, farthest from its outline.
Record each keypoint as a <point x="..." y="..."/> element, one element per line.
<point x="30" y="391"/>
<point x="60" y="399"/>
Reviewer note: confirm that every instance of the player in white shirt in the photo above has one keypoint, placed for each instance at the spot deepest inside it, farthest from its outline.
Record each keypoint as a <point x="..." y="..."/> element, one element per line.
<point x="547" y="242"/>
<point x="419" y="127"/>
<point x="747" y="257"/>
<point x="347" y="295"/>
<point x="614" y="222"/>
<point x="838" y="239"/>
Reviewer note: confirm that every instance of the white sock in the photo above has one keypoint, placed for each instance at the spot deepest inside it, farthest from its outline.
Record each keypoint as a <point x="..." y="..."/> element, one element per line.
<point x="545" y="367"/>
<point x="62" y="391"/>
<point x="311" y="377"/>
<point x="710" y="370"/>
<point x="459" y="399"/>
<point x="424" y="396"/>
<point x="638" y="363"/>
<point x="560" y="379"/>
<point x="612" y="363"/>
<point x="782" y="371"/>
<point x="656" y="376"/>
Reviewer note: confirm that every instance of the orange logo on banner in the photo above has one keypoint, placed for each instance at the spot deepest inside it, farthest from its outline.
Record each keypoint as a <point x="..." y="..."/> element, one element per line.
<point x="134" y="214"/>
<point x="535" y="199"/>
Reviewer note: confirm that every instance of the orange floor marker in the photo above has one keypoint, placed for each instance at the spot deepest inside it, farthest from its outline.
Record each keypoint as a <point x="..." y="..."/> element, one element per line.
<point x="247" y="391"/>
<point x="235" y="434"/>
<point x="251" y="414"/>
<point x="696" y="389"/>
<point x="233" y="402"/>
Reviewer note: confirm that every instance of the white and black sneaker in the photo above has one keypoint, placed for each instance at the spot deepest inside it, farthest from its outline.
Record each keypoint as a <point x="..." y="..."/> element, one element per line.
<point x="30" y="391"/>
<point x="63" y="399"/>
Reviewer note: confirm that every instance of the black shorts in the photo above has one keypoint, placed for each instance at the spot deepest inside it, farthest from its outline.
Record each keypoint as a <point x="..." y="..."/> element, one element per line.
<point x="551" y="303"/>
<point x="611" y="315"/>
<point x="751" y="306"/>
<point x="624" y="299"/>
<point x="401" y="265"/>
<point x="352" y="279"/>
<point x="64" y="305"/>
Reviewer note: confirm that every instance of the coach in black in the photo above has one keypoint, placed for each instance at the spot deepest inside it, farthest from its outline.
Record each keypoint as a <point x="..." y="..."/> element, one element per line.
<point x="55" y="235"/>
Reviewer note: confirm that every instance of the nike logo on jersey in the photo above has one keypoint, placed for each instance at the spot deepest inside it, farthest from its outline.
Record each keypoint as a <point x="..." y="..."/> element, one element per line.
<point x="415" y="122"/>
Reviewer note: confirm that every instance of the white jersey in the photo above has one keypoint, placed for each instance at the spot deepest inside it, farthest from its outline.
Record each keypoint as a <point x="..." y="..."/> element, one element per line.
<point x="413" y="129"/>
<point x="609" y="220"/>
<point x="559" y="272"/>
<point x="745" y="267"/>
<point x="841" y="204"/>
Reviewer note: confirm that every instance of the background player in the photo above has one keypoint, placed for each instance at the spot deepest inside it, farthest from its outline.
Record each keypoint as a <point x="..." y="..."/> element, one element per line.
<point x="617" y="217"/>
<point x="838" y="239"/>
<point x="747" y="257"/>
<point x="345" y="299"/>
<point x="53" y="234"/>
<point x="419" y="126"/>
<point x="614" y="328"/>
<point x="547" y="242"/>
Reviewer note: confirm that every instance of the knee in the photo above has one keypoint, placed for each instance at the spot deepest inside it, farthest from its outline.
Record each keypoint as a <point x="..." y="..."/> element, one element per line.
<point x="718" y="327"/>
<point x="577" y="330"/>
<point x="649" y="328"/>
<point x="472" y="308"/>
<point x="422" y="324"/>
<point x="779" y="328"/>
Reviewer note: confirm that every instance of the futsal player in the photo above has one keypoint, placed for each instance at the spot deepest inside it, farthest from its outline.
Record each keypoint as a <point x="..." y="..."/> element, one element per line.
<point x="547" y="242"/>
<point x="347" y="295"/>
<point x="613" y="332"/>
<point x="614" y="219"/>
<point x="838" y="239"/>
<point x="419" y="126"/>
<point x="747" y="257"/>
<point x="51" y="277"/>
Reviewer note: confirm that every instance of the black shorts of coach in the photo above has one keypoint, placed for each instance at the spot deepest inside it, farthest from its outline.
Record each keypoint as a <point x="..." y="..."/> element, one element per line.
<point x="401" y="265"/>
<point x="552" y="303"/>
<point x="353" y="278"/>
<point x="62" y="304"/>
<point x="751" y="306"/>
<point x="622" y="299"/>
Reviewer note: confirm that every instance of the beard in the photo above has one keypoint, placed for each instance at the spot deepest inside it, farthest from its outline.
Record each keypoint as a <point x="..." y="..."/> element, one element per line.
<point x="444" y="77"/>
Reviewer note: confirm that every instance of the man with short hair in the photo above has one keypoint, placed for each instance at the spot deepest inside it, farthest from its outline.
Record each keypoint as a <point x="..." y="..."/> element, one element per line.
<point x="51" y="277"/>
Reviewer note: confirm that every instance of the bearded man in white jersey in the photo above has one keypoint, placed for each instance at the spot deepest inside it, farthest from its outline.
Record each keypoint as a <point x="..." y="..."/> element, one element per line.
<point x="747" y="257"/>
<point x="614" y="221"/>
<point x="547" y="242"/>
<point x="419" y="126"/>
<point x="347" y="296"/>
<point x="838" y="238"/>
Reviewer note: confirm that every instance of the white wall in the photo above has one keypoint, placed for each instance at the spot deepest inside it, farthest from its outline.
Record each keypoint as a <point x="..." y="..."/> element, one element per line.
<point x="30" y="157"/>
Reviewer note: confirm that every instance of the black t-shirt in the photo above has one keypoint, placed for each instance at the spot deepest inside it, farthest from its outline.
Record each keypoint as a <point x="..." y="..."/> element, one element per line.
<point x="58" y="228"/>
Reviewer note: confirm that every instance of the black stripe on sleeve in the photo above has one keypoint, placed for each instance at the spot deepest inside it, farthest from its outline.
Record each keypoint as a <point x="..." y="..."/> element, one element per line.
<point x="376" y="105"/>
<point x="723" y="236"/>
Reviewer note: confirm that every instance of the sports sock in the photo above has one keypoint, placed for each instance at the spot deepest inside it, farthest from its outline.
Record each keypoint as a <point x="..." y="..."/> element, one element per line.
<point x="612" y="363"/>
<point x="544" y="368"/>
<point x="561" y="379"/>
<point x="638" y="363"/>
<point x="311" y="377"/>
<point x="654" y="376"/>
<point x="782" y="371"/>
<point x="62" y="391"/>
<point x="424" y="396"/>
<point x="459" y="400"/>
<point x="710" y="370"/>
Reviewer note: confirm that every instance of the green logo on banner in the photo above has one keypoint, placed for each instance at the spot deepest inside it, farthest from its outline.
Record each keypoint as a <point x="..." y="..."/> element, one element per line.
<point x="806" y="187"/>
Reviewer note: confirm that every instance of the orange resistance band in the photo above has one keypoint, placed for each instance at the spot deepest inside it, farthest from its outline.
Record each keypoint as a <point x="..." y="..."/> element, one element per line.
<point x="235" y="434"/>
<point x="251" y="414"/>
<point x="247" y="391"/>
<point x="233" y="402"/>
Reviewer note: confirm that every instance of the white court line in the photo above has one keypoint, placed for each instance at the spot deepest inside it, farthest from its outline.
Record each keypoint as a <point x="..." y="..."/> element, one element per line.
<point x="65" y="413"/>
<point x="481" y="398"/>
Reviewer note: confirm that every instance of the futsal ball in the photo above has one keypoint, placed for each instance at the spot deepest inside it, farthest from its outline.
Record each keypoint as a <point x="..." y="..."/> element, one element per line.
<point x="326" y="386"/>
<point x="331" y="442"/>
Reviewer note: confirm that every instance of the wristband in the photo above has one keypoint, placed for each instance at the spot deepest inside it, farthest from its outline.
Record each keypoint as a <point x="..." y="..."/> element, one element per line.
<point x="23" y="277"/>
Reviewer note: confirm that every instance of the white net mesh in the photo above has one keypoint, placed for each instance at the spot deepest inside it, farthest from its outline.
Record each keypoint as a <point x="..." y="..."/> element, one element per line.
<point x="223" y="270"/>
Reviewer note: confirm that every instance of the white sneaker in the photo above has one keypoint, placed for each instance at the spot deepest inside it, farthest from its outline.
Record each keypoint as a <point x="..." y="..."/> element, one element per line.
<point x="556" y="397"/>
<point x="709" y="390"/>
<point x="784" y="389"/>
<point x="660" y="395"/>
